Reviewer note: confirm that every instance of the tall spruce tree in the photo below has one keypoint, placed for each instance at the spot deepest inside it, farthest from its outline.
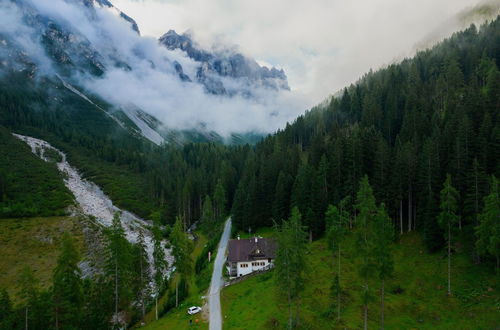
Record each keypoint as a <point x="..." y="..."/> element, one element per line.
<point x="159" y="262"/>
<point x="290" y="264"/>
<point x="336" y="224"/>
<point x="208" y="217"/>
<point x="448" y="217"/>
<point x="488" y="230"/>
<point x="143" y="275"/>
<point x="220" y="200"/>
<point x="367" y="208"/>
<point x="281" y="200"/>
<point x="118" y="267"/>
<point x="181" y="251"/>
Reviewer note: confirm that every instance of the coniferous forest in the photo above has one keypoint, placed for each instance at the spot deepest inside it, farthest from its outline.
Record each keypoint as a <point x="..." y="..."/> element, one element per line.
<point x="416" y="143"/>
<point x="407" y="127"/>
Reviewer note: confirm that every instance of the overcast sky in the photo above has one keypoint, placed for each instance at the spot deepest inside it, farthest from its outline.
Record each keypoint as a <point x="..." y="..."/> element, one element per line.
<point x="322" y="44"/>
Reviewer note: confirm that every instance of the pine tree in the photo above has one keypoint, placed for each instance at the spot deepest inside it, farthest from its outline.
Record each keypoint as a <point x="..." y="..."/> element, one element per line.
<point x="429" y="171"/>
<point x="181" y="251"/>
<point x="336" y="223"/>
<point x="381" y="168"/>
<point x="143" y="273"/>
<point x="67" y="290"/>
<point x="447" y="218"/>
<point x="208" y="217"/>
<point x="365" y="204"/>
<point x="475" y="191"/>
<point x="281" y="201"/>
<point x="159" y="262"/>
<point x="290" y="264"/>
<point x="238" y="210"/>
<point x="301" y="192"/>
<point x="118" y="266"/>
<point x="220" y="200"/>
<point x="488" y="230"/>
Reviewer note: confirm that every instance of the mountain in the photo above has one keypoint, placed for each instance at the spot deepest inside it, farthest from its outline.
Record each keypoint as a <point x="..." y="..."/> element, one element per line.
<point x="92" y="49"/>
<point x="225" y="62"/>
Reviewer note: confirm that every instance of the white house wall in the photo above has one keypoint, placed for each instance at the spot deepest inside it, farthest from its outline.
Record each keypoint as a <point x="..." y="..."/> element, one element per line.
<point x="242" y="271"/>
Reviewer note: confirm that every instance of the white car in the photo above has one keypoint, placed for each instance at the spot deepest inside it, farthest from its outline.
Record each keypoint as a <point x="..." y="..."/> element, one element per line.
<point x="193" y="310"/>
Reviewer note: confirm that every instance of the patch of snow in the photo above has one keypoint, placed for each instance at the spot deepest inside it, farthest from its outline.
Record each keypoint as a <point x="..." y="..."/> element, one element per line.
<point x="76" y="91"/>
<point x="94" y="202"/>
<point x="146" y="130"/>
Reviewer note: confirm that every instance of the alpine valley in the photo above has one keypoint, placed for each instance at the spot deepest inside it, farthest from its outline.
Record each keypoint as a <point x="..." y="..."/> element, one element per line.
<point x="125" y="161"/>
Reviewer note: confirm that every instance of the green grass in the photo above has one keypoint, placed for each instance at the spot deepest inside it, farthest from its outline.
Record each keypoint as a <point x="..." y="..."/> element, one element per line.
<point x="264" y="232"/>
<point x="178" y="318"/>
<point x="32" y="242"/>
<point x="422" y="304"/>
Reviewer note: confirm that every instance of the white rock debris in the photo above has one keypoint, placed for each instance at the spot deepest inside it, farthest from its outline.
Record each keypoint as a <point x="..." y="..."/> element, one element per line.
<point x="93" y="202"/>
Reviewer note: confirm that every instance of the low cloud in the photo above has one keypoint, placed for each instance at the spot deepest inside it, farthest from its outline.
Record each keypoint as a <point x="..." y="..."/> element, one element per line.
<point x="323" y="45"/>
<point x="152" y="83"/>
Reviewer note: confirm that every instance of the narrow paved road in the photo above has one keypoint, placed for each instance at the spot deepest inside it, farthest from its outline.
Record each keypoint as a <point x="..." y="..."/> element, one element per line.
<point x="217" y="283"/>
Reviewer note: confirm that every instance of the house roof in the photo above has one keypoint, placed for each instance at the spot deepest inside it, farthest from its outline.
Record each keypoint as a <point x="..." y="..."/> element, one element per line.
<point x="249" y="249"/>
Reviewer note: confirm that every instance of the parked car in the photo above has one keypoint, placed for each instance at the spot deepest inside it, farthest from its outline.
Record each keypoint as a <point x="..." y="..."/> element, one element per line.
<point x="193" y="310"/>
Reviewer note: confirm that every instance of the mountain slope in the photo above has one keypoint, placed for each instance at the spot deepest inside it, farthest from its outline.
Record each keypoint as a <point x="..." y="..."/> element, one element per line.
<point x="34" y="188"/>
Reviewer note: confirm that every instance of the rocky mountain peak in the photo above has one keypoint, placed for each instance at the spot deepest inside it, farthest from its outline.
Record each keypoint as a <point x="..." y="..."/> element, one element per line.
<point x="215" y="65"/>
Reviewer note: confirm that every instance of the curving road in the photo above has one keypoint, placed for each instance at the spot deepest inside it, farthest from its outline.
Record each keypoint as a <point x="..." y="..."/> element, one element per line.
<point x="217" y="283"/>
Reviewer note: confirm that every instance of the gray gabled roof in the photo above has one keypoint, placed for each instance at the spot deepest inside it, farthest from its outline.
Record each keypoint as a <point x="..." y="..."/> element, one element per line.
<point x="249" y="249"/>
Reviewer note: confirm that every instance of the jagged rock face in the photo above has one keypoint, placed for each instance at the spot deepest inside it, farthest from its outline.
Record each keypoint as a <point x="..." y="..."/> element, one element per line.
<point x="69" y="50"/>
<point x="174" y="41"/>
<point x="106" y="3"/>
<point x="226" y="64"/>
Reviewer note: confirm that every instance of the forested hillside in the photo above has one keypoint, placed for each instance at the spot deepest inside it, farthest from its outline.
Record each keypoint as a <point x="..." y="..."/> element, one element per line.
<point x="136" y="174"/>
<point x="406" y="127"/>
<point x="34" y="188"/>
